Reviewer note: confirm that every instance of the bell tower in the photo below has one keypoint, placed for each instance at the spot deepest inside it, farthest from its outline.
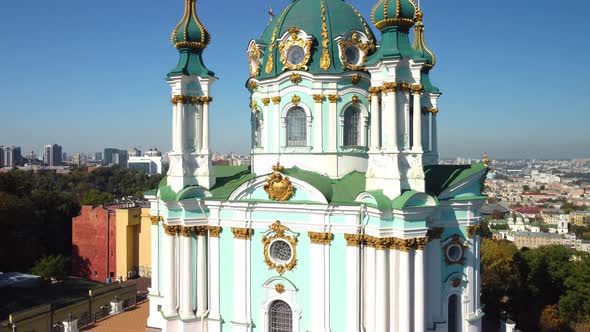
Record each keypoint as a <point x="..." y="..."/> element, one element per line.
<point x="190" y="82"/>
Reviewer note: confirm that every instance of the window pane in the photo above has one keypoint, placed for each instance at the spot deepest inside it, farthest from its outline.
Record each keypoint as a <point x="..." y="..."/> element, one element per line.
<point x="281" y="317"/>
<point x="351" y="126"/>
<point x="296" y="131"/>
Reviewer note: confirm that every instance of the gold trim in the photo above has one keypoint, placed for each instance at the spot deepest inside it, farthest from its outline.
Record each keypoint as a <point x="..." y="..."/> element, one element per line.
<point x="277" y="187"/>
<point x="318" y="98"/>
<point x="419" y="41"/>
<point x="417" y="89"/>
<point x="325" y="61"/>
<point x="276" y="100"/>
<point x="320" y="238"/>
<point x="270" y="61"/>
<point x="178" y="99"/>
<point x="367" y="30"/>
<point x="254" y="53"/>
<point x="434" y="111"/>
<point x="194" y="100"/>
<point x="333" y="99"/>
<point x="201" y="230"/>
<point x="206" y="100"/>
<point x="186" y="231"/>
<point x="253" y="85"/>
<point x="434" y="233"/>
<point x="190" y="11"/>
<point x="265" y="101"/>
<point x="356" y="79"/>
<point x="280" y="288"/>
<point x="294" y="40"/>
<point x="355" y="99"/>
<point x="254" y="104"/>
<point x="404" y="86"/>
<point x="278" y="231"/>
<point x="242" y="233"/>
<point x="296" y="99"/>
<point x="456" y="282"/>
<point x="214" y="231"/>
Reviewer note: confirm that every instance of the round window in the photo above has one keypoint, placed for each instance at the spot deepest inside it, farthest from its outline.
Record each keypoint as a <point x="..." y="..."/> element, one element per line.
<point x="353" y="55"/>
<point x="454" y="252"/>
<point x="280" y="251"/>
<point x="295" y="55"/>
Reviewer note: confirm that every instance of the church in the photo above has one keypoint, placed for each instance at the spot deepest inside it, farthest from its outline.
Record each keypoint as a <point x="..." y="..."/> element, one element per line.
<point x="345" y="221"/>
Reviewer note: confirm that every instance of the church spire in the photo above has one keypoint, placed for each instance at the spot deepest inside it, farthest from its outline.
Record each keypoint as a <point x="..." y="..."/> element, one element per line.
<point x="190" y="33"/>
<point x="420" y="43"/>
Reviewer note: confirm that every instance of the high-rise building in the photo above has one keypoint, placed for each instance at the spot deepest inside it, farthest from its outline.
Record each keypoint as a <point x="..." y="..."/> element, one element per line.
<point x="114" y="156"/>
<point x="52" y="155"/>
<point x="358" y="228"/>
<point x="97" y="156"/>
<point x="150" y="163"/>
<point x="10" y="156"/>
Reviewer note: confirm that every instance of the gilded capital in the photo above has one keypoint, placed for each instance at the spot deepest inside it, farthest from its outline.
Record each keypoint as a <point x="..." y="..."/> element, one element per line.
<point x="374" y="91"/>
<point x="155" y="220"/>
<point x="206" y="100"/>
<point x="276" y="100"/>
<point x="434" y="233"/>
<point x="382" y="243"/>
<point x="214" y="231"/>
<point x="242" y="233"/>
<point x="434" y="111"/>
<point x="333" y="99"/>
<point x="421" y="243"/>
<point x="417" y="89"/>
<point x="473" y="230"/>
<point x="403" y="86"/>
<point x="266" y="101"/>
<point x="253" y="85"/>
<point x="320" y="238"/>
<point x="353" y="240"/>
<point x="186" y="231"/>
<point x="179" y="99"/>
<point x="407" y="244"/>
<point x="171" y="230"/>
<point x="389" y="87"/>
<point x="318" y="98"/>
<point x="201" y="230"/>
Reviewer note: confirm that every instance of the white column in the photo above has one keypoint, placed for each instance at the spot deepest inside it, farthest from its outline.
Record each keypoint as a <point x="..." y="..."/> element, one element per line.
<point x="319" y="280"/>
<point x="381" y="288"/>
<point x="393" y="288"/>
<point x="434" y="147"/>
<point x="417" y="120"/>
<point x="265" y="128"/>
<point x="333" y="123"/>
<point x="170" y="300"/>
<point x="426" y="131"/>
<point x="419" y="288"/>
<point x="404" y="304"/>
<point x="206" y="101"/>
<point x="353" y="283"/>
<point x="186" y="277"/>
<point x="180" y="126"/>
<point x="318" y="125"/>
<point x="202" y="303"/>
<point x="389" y="124"/>
<point x="155" y="239"/>
<point x="375" y="123"/>
<point x="198" y="128"/>
<point x="176" y="145"/>
<point x="240" y="318"/>
<point x="214" y="312"/>
<point x="276" y="101"/>
<point x="369" y="297"/>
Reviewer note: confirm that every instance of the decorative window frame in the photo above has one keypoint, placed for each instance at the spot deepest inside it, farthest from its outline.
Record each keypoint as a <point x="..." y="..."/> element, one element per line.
<point x="364" y="126"/>
<point x="456" y="284"/>
<point x="278" y="232"/>
<point x="452" y="241"/>
<point x="254" y="51"/>
<point x="295" y="37"/>
<point x="308" y="122"/>
<point x="279" y="288"/>
<point x="354" y="38"/>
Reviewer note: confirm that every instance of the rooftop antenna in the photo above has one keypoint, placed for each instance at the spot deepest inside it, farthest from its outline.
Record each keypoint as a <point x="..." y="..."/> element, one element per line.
<point x="271" y="14"/>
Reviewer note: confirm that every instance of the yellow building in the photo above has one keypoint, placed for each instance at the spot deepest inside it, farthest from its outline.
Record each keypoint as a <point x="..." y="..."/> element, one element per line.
<point x="133" y="243"/>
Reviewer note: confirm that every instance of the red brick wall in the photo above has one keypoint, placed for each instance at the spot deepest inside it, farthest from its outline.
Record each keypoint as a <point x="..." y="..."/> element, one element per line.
<point x="89" y="242"/>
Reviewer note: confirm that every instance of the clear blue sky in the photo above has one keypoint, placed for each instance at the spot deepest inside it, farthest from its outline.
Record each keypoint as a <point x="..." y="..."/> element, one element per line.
<point x="90" y="74"/>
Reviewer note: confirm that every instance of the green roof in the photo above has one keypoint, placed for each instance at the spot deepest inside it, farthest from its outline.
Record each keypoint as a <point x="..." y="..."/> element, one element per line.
<point x="229" y="178"/>
<point x="438" y="178"/>
<point x="340" y="18"/>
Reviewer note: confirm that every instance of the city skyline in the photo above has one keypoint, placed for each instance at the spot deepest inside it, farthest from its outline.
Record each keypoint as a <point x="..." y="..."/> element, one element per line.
<point x="92" y="89"/>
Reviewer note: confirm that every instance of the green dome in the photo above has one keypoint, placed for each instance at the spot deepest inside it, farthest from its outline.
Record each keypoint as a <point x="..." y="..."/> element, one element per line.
<point x="190" y="33"/>
<point x="322" y="19"/>
<point x="388" y="13"/>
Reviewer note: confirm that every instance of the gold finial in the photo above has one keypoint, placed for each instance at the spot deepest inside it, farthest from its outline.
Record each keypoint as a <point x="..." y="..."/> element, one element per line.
<point x="278" y="168"/>
<point x="486" y="160"/>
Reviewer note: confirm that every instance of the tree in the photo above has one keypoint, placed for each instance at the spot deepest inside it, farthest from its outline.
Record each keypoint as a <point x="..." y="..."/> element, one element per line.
<point x="574" y="305"/>
<point x="526" y="188"/>
<point x="96" y="197"/>
<point x="549" y="321"/>
<point x="51" y="267"/>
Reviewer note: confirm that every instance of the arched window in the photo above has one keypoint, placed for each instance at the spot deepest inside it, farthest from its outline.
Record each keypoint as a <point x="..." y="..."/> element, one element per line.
<point x="452" y="314"/>
<point x="281" y="317"/>
<point x="352" y="117"/>
<point x="296" y="123"/>
<point x="257" y="130"/>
